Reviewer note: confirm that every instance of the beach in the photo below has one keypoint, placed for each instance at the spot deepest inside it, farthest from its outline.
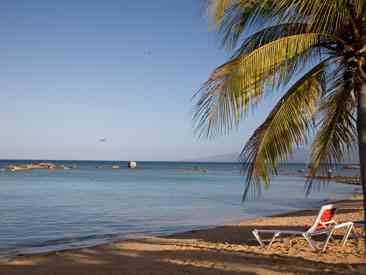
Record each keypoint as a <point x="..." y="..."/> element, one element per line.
<point x="229" y="249"/>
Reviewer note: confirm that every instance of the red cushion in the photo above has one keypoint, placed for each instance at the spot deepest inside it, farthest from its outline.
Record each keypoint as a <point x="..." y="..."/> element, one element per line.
<point x="327" y="215"/>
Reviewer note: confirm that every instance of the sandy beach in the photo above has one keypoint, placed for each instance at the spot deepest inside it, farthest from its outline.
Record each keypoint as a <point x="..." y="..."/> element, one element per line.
<point x="228" y="249"/>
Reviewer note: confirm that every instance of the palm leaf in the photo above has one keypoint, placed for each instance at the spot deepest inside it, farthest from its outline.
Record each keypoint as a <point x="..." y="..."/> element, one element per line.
<point x="267" y="34"/>
<point x="219" y="8"/>
<point x="288" y="125"/>
<point x="337" y="134"/>
<point x="240" y="83"/>
<point x="325" y="16"/>
<point x="259" y="23"/>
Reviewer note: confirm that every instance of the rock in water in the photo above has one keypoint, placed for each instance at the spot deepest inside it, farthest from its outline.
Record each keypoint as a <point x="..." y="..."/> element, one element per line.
<point x="132" y="164"/>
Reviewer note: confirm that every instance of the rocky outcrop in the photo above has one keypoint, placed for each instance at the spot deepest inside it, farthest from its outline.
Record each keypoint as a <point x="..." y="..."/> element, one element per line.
<point x="33" y="166"/>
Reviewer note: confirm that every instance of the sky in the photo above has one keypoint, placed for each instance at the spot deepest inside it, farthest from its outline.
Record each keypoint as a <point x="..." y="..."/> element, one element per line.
<point x="108" y="80"/>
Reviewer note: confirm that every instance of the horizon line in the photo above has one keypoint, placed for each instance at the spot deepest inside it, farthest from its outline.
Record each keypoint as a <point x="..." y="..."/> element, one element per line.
<point x="184" y="161"/>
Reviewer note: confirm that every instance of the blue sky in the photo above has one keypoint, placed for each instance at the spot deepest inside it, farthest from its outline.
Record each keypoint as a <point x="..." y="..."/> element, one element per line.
<point x="73" y="72"/>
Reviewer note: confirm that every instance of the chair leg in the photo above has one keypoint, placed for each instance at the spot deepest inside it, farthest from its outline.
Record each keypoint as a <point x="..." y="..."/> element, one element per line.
<point x="259" y="240"/>
<point x="348" y="232"/>
<point x="274" y="237"/>
<point x="327" y="240"/>
<point x="310" y="242"/>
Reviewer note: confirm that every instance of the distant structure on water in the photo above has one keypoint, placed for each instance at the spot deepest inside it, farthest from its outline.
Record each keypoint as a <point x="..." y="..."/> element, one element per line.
<point x="132" y="164"/>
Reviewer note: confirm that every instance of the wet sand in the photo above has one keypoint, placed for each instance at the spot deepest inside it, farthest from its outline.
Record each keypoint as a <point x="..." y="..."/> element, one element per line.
<point x="229" y="249"/>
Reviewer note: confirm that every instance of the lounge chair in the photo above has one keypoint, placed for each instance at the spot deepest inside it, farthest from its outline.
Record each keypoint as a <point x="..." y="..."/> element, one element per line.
<point x="323" y="225"/>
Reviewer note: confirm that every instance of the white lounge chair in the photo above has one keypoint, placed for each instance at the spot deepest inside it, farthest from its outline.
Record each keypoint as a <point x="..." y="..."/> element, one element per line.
<point x="323" y="224"/>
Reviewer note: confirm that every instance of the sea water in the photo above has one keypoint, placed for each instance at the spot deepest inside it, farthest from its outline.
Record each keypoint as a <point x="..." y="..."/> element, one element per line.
<point x="47" y="210"/>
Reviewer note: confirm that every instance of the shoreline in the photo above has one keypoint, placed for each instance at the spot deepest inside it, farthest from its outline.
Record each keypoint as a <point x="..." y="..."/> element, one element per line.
<point x="198" y="250"/>
<point x="136" y="236"/>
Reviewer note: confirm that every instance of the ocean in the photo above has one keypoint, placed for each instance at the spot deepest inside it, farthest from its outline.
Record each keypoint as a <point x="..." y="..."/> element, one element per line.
<point x="48" y="210"/>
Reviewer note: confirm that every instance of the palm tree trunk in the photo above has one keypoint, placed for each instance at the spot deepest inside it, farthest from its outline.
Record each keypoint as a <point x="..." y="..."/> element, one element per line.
<point x="361" y="129"/>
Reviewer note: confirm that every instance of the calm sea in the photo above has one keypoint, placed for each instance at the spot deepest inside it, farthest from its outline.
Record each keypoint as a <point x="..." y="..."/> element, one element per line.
<point x="44" y="210"/>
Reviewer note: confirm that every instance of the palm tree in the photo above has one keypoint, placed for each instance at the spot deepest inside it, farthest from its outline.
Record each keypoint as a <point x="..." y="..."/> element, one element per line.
<point x="314" y="54"/>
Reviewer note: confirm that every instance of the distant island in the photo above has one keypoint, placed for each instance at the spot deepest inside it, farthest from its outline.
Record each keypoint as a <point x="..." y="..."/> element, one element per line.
<point x="300" y="155"/>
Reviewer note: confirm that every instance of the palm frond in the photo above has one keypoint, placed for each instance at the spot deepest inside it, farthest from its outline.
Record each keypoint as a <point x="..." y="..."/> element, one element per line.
<point x="337" y="134"/>
<point x="288" y="125"/>
<point x="265" y="35"/>
<point x="325" y="16"/>
<point x="240" y="83"/>
<point x="239" y="21"/>
<point x="218" y="8"/>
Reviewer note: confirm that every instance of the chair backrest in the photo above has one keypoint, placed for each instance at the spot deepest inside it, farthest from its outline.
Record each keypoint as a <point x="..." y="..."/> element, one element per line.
<point x="324" y="219"/>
